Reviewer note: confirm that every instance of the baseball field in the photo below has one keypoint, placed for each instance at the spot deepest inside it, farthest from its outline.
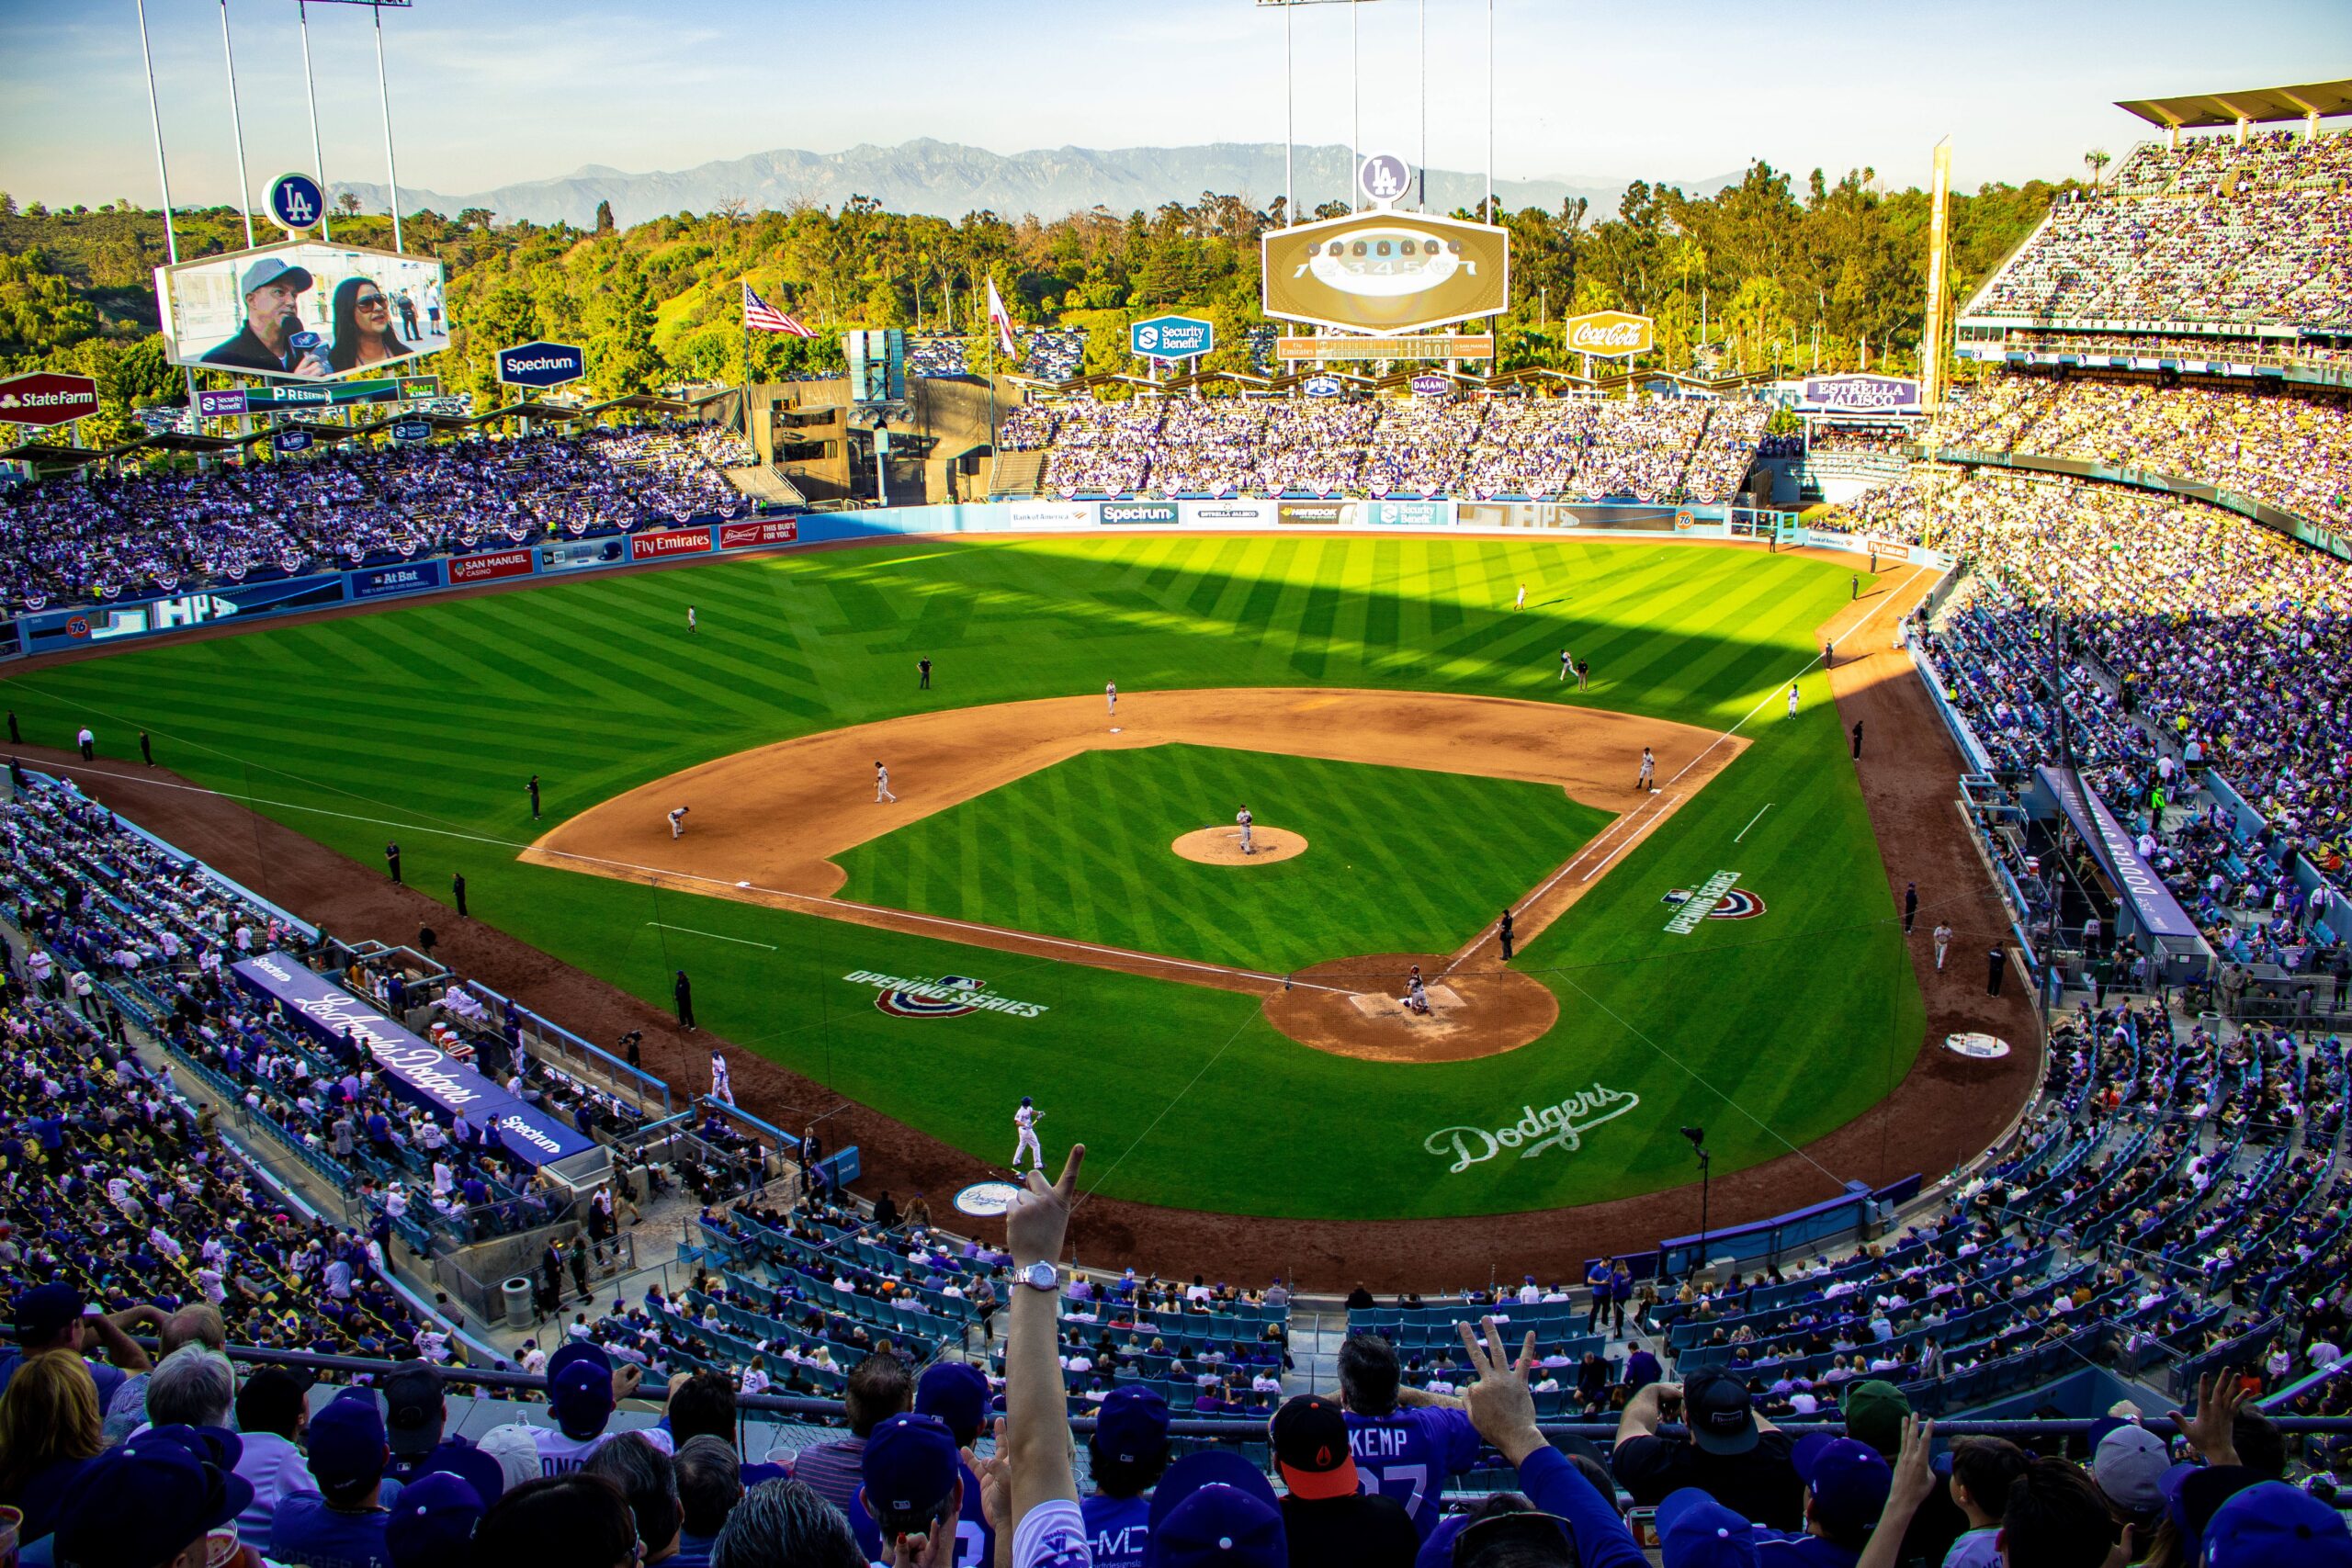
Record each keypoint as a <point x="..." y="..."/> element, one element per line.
<point x="1378" y="697"/>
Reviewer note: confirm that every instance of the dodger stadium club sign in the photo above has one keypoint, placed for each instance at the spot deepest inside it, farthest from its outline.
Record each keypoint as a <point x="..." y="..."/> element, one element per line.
<point x="949" y="996"/>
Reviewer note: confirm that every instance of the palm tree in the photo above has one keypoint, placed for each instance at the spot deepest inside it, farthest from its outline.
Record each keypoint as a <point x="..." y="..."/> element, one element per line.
<point x="2096" y="159"/>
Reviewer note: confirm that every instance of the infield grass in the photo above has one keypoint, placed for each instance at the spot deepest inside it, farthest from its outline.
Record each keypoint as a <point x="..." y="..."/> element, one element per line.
<point x="422" y="723"/>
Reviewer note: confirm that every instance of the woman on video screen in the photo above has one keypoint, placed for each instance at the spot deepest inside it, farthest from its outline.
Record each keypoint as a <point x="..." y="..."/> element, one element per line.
<point x="363" y="325"/>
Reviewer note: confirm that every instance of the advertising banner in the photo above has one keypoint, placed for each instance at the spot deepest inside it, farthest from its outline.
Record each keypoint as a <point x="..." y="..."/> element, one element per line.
<point x="412" y="430"/>
<point x="2143" y="889"/>
<point x="291" y="440"/>
<point x="1160" y="513"/>
<point x="45" y="398"/>
<point x="491" y="566"/>
<point x="146" y="617"/>
<point x="1234" y="513"/>
<point x="421" y="1070"/>
<point x="1433" y="386"/>
<point x="1386" y="271"/>
<point x="1407" y="513"/>
<point x="1320" y="387"/>
<point x="581" y="553"/>
<point x="221" y="405"/>
<point x="307" y="310"/>
<point x="1610" y="334"/>
<point x="769" y="531"/>
<point x="539" y="364"/>
<point x="377" y="582"/>
<point x="1860" y="394"/>
<point x="1171" y="337"/>
<point x="256" y="399"/>
<point x="1048" y="514"/>
<point x="668" y="542"/>
<point x="1412" y="345"/>
<point x="1316" y="513"/>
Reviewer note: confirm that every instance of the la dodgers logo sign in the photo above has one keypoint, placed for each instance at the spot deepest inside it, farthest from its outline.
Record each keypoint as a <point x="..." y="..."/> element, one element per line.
<point x="948" y="996"/>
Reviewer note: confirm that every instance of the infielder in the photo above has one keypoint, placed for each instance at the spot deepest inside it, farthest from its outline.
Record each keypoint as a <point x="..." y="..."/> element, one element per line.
<point x="1024" y="1122"/>
<point x="1792" y="699"/>
<point x="721" y="1085"/>
<point x="1110" y="696"/>
<point x="678" y="822"/>
<point x="1243" y="816"/>
<point x="1649" y="770"/>
<point x="882" y="784"/>
<point x="1567" y="663"/>
<point x="690" y="618"/>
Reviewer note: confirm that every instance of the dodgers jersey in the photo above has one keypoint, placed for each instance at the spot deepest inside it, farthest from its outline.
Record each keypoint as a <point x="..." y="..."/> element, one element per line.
<point x="560" y="1455"/>
<point x="1408" y="1454"/>
<point x="1118" y="1527"/>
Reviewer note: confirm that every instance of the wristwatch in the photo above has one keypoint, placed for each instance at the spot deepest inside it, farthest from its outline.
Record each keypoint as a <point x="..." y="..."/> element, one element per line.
<point x="1041" y="1276"/>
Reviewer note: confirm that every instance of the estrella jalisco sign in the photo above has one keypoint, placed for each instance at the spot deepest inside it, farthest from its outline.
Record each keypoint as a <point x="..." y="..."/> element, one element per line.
<point x="1561" y="1127"/>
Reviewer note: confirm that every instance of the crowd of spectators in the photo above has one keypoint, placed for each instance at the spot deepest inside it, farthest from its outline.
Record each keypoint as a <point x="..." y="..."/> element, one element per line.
<point x="95" y="535"/>
<point x="1651" y="449"/>
<point x="2289" y="445"/>
<point x="2212" y="231"/>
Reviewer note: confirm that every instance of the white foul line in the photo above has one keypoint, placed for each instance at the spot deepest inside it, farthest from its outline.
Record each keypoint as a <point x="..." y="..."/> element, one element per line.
<point x="713" y="935"/>
<point x="1751" y="822"/>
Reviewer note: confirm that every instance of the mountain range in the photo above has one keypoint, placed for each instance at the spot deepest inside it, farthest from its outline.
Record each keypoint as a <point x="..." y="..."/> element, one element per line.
<point x="948" y="180"/>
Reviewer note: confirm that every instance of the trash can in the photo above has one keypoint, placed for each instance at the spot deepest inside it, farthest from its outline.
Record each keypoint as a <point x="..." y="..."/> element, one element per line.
<point x="518" y="1300"/>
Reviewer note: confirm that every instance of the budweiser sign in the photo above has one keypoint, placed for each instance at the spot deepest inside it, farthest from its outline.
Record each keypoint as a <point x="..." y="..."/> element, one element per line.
<point x="1612" y="334"/>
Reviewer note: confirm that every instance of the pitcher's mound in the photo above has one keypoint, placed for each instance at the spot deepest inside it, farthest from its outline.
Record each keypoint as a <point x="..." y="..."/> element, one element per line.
<point x="1222" y="846"/>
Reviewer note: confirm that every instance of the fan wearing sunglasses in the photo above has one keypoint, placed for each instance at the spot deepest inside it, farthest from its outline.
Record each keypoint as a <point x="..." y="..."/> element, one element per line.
<point x="363" y="325"/>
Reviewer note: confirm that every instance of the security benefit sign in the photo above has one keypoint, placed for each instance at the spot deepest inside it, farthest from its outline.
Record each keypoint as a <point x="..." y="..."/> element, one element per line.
<point x="1386" y="272"/>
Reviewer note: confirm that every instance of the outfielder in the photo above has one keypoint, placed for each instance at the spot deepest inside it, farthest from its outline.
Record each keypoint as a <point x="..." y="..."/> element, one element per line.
<point x="690" y="618"/>
<point x="882" y="784"/>
<point x="678" y="822"/>
<point x="1024" y="1122"/>
<point x="1243" y="816"/>
<point x="1649" y="770"/>
<point x="1792" y="699"/>
<point x="721" y="1085"/>
<point x="1520" y="603"/>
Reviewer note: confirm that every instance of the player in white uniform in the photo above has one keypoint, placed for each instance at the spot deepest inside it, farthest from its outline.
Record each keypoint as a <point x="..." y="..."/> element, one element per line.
<point x="678" y="822"/>
<point x="690" y="618"/>
<point x="721" y="1085"/>
<point x="1792" y="699"/>
<point x="1567" y="663"/>
<point x="882" y="784"/>
<point x="1649" y="770"/>
<point x="1110" y="696"/>
<point x="1024" y="1122"/>
<point x="1243" y="816"/>
<point x="1520" y="603"/>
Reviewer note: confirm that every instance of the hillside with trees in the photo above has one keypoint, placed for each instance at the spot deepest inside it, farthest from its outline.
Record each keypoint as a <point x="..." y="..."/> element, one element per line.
<point x="1763" y="266"/>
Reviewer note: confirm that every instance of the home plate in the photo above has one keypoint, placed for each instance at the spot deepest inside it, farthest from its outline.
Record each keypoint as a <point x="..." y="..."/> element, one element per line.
<point x="1380" y="1004"/>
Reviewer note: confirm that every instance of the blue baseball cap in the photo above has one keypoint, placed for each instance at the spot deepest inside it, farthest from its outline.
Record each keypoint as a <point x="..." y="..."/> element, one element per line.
<point x="477" y="1469"/>
<point x="1131" y="1428"/>
<point x="1848" y="1480"/>
<point x="1215" y="1509"/>
<point x="432" y="1523"/>
<point x="346" y="1440"/>
<point x="957" y="1392"/>
<point x="2194" y="1493"/>
<point x="582" y="1397"/>
<point x="2273" y="1525"/>
<point x="910" y="1464"/>
<point x="1696" y="1531"/>
<point x="137" y="1504"/>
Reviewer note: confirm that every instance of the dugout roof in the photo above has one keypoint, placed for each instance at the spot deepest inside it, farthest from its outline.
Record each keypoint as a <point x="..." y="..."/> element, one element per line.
<point x="2261" y="105"/>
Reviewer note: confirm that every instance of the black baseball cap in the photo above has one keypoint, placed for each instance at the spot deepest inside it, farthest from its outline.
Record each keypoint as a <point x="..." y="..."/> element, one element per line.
<point x="1717" y="1406"/>
<point x="413" y="1410"/>
<point x="1310" y="1441"/>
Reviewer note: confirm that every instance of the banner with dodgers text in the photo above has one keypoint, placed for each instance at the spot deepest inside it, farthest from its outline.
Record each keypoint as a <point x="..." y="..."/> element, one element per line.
<point x="421" y="1070"/>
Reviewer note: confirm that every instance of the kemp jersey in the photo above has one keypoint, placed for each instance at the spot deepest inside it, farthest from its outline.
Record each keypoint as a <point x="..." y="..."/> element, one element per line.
<point x="1408" y="1454"/>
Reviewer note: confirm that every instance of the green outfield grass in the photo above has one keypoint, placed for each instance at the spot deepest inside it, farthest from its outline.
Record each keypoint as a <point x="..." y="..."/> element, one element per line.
<point x="422" y="723"/>
<point x="1399" y="860"/>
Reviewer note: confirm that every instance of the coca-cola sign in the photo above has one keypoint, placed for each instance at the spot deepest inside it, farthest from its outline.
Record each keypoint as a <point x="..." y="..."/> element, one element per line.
<point x="1610" y="334"/>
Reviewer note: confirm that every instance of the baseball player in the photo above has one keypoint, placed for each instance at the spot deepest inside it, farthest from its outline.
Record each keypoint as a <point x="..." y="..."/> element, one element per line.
<point x="1567" y="664"/>
<point x="1249" y="846"/>
<point x="1024" y="1122"/>
<point x="678" y="822"/>
<point x="691" y="622"/>
<point x="1650" y="770"/>
<point x="882" y="784"/>
<point x="1792" y="699"/>
<point x="1110" y="696"/>
<point x="1943" y="944"/>
<point x="1520" y="603"/>
<point x="721" y="1085"/>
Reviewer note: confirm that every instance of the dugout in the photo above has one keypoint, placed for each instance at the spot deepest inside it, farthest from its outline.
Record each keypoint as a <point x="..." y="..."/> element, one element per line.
<point x="2066" y="818"/>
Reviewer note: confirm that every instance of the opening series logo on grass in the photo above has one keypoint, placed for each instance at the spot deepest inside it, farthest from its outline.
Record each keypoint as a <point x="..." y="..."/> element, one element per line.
<point x="949" y="996"/>
<point x="1716" y="900"/>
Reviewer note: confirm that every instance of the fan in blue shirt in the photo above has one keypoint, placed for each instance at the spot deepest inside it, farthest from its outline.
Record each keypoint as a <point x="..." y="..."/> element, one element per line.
<point x="1407" y="1443"/>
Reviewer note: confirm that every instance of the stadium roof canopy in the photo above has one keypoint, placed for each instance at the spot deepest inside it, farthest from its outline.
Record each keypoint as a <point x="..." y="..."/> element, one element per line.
<point x="2260" y="105"/>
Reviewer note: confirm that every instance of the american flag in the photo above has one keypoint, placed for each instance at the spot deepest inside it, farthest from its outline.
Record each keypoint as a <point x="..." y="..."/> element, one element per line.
<point x="762" y="317"/>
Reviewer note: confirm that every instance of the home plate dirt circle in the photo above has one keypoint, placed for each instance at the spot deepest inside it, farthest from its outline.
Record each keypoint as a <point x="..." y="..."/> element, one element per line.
<point x="1222" y="846"/>
<point x="1352" y="1007"/>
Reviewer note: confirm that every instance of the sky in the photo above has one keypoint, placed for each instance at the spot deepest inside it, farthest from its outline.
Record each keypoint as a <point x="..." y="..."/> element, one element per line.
<point x="488" y="92"/>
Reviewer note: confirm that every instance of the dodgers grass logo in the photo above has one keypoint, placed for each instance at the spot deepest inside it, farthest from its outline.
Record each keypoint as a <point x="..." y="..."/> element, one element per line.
<point x="1561" y="1127"/>
<point x="1716" y="900"/>
<point x="949" y="996"/>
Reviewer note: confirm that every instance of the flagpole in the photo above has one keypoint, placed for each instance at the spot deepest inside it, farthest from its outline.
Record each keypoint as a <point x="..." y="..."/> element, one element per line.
<point x="744" y="305"/>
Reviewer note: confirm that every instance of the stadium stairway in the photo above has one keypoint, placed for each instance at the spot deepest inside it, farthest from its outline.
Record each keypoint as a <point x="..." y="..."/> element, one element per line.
<point x="766" y="483"/>
<point x="1017" y="473"/>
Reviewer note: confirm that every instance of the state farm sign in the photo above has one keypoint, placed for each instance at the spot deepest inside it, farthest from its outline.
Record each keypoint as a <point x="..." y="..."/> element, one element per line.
<point x="46" y="398"/>
<point x="1612" y="334"/>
